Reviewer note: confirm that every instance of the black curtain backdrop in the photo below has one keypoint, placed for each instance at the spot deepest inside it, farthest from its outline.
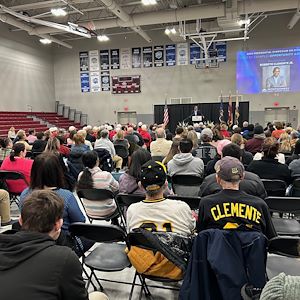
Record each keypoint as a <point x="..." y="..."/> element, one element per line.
<point x="210" y="111"/>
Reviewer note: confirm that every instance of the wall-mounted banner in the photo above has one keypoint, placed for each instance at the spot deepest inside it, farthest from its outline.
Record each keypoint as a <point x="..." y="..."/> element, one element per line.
<point x="94" y="60"/>
<point x="104" y="59"/>
<point x="222" y="50"/>
<point x="194" y="53"/>
<point x="136" y="58"/>
<point x="182" y="54"/>
<point x="85" y="82"/>
<point x="84" y="61"/>
<point x="147" y="57"/>
<point x="158" y="56"/>
<point x="95" y="82"/>
<point x="170" y="55"/>
<point x="105" y="81"/>
<point x="125" y="58"/>
<point x="115" y="59"/>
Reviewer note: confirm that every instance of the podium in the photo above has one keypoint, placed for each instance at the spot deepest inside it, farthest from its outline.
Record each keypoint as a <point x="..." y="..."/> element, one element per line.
<point x="196" y="119"/>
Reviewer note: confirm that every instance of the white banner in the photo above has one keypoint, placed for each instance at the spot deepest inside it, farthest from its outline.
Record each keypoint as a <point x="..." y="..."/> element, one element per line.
<point x="94" y="60"/>
<point x="182" y="54"/>
<point x="125" y="57"/>
<point x="95" y="82"/>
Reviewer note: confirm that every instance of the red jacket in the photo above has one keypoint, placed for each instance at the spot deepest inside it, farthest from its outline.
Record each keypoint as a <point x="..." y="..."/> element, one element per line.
<point x="146" y="137"/>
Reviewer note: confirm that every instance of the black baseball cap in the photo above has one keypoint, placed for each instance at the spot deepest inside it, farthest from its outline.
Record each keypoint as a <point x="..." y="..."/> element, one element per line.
<point x="153" y="175"/>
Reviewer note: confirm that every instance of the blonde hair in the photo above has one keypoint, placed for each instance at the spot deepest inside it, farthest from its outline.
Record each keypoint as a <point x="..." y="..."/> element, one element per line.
<point x="237" y="139"/>
<point x="285" y="143"/>
<point x="120" y="135"/>
<point x="192" y="135"/>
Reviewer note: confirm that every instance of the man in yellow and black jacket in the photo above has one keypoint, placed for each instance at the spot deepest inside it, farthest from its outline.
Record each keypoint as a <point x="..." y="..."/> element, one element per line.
<point x="232" y="208"/>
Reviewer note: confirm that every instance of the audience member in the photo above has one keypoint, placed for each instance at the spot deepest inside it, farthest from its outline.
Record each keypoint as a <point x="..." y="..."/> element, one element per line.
<point x="155" y="212"/>
<point x="295" y="155"/>
<point x="39" y="144"/>
<point x="160" y="147"/>
<point x="104" y="143"/>
<point x="11" y="134"/>
<point x="93" y="177"/>
<point x="145" y="135"/>
<point x="237" y="139"/>
<point x="121" y="141"/>
<point x="6" y="147"/>
<point x="250" y="184"/>
<point x="17" y="162"/>
<point x="205" y="150"/>
<point x="63" y="149"/>
<point x="179" y="132"/>
<point x="285" y="145"/>
<point x="131" y="137"/>
<point x="47" y="174"/>
<point x="210" y="167"/>
<point x="232" y="208"/>
<point x="184" y="163"/>
<point x="31" y="136"/>
<point x="269" y="167"/>
<point x="89" y="134"/>
<point x="278" y="131"/>
<point x="294" y="138"/>
<point x="53" y="132"/>
<point x="173" y="150"/>
<point x="21" y="139"/>
<point x="224" y="130"/>
<point x="249" y="133"/>
<point x="254" y="145"/>
<point x="32" y="258"/>
<point x="245" y="127"/>
<point x="86" y="142"/>
<point x="4" y="208"/>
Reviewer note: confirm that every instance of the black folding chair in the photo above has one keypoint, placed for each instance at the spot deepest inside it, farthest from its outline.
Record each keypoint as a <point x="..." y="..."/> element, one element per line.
<point x="109" y="256"/>
<point x="284" y="256"/>
<point x="158" y="158"/>
<point x="96" y="195"/>
<point x="12" y="175"/>
<point x="295" y="189"/>
<point x="186" y="185"/>
<point x="275" y="187"/>
<point x="124" y="201"/>
<point x="138" y="240"/>
<point x="288" y="205"/>
<point x="192" y="202"/>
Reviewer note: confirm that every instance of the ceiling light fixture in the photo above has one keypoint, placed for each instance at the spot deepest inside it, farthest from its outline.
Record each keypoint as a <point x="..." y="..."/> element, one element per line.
<point x="149" y="2"/>
<point x="102" y="38"/>
<point x="58" y="12"/>
<point x="45" y="41"/>
<point x="244" y="22"/>
<point x="170" y="30"/>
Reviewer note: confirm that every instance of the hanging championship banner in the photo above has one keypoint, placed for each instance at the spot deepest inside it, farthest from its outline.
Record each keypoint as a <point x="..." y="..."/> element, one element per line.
<point x="170" y="55"/>
<point x="125" y="58"/>
<point x="147" y="57"/>
<point x="182" y="54"/>
<point x="84" y="61"/>
<point x="194" y="53"/>
<point x="95" y="82"/>
<point x="222" y="50"/>
<point x="114" y="59"/>
<point x="85" y="82"/>
<point x="104" y="59"/>
<point x="94" y="60"/>
<point x="105" y="81"/>
<point x="136" y="58"/>
<point x="158" y="56"/>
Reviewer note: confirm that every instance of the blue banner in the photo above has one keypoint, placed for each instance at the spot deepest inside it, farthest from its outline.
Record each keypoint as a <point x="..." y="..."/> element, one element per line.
<point x="85" y="82"/>
<point x="222" y="50"/>
<point x="170" y="55"/>
<point x="194" y="53"/>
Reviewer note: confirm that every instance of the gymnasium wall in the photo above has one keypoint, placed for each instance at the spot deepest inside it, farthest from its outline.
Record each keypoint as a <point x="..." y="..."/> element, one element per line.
<point x="26" y="72"/>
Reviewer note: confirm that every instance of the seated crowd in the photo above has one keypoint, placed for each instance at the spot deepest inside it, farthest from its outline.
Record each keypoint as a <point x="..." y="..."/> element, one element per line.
<point x="232" y="165"/>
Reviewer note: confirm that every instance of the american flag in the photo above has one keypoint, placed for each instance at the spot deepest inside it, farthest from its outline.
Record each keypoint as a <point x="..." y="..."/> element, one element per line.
<point x="230" y="115"/>
<point x="221" y="110"/>
<point x="166" y="114"/>
<point x="237" y="111"/>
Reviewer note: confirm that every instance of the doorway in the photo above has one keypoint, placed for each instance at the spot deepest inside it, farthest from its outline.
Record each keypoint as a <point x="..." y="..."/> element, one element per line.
<point x="128" y="117"/>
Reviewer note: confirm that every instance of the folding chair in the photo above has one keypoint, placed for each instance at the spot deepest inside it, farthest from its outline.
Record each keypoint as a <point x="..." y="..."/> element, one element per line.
<point x="192" y="202"/>
<point x="138" y="240"/>
<point x="295" y="189"/>
<point x="290" y="205"/>
<point x="12" y="175"/>
<point x="284" y="256"/>
<point x="186" y="185"/>
<point x="158" y="158"/>
<point x="109" y="256"/>
<point x="275" y="187"/>
<point x="96" y="195"/>
<point x="124" y="201"/>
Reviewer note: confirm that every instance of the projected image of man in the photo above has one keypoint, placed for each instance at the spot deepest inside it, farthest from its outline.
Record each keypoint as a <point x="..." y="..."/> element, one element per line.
<point x="276" y="80"/>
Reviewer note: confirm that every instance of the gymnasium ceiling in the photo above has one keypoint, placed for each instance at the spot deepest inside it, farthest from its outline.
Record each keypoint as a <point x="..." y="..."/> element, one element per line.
<point x="112" y="17"/>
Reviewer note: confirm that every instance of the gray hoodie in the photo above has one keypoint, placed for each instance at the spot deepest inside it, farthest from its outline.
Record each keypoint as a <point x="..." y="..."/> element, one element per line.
<point x="185" y="164"/>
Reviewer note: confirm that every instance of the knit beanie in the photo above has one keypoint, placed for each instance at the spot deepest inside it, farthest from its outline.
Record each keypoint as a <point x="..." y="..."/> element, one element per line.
<point x="282" y="287"/>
